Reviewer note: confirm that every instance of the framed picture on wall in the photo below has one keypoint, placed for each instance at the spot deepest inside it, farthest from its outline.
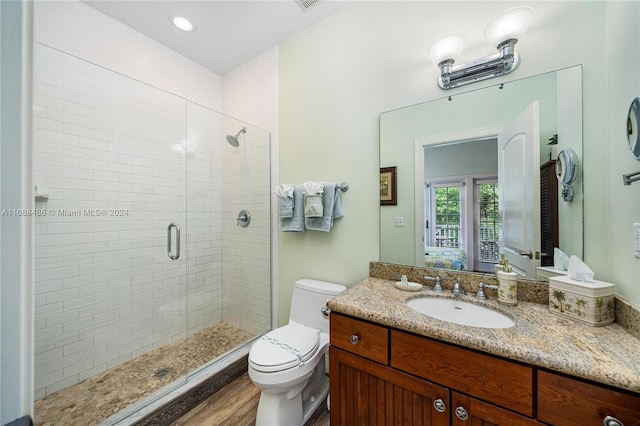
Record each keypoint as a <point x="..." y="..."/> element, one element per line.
<point x="388" y="186"/>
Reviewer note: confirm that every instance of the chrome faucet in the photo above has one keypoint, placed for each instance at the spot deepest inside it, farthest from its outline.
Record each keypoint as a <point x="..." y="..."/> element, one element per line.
<point x="437" y="287"/>
<point x="457" y="290"/>
<point x="480" y="294"/>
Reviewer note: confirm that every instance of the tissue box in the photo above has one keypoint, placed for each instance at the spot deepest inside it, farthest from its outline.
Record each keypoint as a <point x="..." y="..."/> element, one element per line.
<point x="592" y="303"/>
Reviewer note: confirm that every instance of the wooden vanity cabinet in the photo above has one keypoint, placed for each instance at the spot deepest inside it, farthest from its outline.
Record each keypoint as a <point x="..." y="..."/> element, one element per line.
<point x="384" y="376"/>
<point x="566" y="400"/>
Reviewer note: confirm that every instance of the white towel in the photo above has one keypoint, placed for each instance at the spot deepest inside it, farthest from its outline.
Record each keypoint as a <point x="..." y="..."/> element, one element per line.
<point x="313" y="206"/>
<point x="312" y="188"/>
<point x="284" y="192"/>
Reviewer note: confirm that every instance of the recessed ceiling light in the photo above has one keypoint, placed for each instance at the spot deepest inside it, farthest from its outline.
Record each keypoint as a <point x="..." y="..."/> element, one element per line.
<point x="182" y="23"/>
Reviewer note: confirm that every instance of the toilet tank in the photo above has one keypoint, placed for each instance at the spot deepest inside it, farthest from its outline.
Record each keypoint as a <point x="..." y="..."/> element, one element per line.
<point x="308" y="299"/>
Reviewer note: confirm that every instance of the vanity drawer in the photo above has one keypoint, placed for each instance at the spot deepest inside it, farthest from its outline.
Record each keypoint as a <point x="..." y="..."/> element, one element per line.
<point x="564" y="400"/>
<point x="504" y="383"/>
<point x="359" y="337"/>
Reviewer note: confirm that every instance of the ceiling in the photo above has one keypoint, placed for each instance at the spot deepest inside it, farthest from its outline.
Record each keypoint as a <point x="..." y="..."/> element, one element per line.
<point x="229" y="33"/>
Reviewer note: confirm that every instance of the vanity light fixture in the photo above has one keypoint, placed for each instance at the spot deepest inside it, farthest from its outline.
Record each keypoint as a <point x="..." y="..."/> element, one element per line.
<point x="503" y="31"/>
<point x="182" y="23"/>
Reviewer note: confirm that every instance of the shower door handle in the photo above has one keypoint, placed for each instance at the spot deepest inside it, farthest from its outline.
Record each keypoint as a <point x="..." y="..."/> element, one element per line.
<point x="169" y="244"/>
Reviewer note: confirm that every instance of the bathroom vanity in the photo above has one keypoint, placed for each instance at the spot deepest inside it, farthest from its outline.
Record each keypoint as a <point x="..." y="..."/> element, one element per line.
<point x="392" y="365"/>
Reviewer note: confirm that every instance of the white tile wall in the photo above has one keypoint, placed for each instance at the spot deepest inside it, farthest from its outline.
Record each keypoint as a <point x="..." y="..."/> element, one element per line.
<point x="250" y="93"/>
<point x="246" y="255"/>
<point x="106" y="291"/>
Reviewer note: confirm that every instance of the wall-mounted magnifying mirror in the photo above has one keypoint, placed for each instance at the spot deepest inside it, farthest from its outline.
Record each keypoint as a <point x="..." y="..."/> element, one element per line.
<point x="633" y="136"/>
<point x="567" y="172"/>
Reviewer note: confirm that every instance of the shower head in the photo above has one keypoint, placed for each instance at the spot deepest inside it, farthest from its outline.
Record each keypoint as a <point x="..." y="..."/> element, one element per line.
<point x="233" y="140"/>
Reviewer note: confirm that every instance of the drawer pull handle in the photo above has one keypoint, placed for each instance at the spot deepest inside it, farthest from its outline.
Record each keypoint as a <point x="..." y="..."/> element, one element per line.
<point x="461" y="413"/>
<point x="439" y="405"/>
<point x="612" y="421"/>
<point x="355" y="339"/>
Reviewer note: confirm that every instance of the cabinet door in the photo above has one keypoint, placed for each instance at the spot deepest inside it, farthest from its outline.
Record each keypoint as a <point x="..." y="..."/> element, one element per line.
<point x="564" y="400"/>
<point x="467" y="411"/>
<point x="366" y="393"/>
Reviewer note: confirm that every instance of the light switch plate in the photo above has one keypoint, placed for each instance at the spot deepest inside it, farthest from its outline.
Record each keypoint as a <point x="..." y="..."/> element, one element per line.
<point x="636" y="239"/>
<point x="398" y="221"/>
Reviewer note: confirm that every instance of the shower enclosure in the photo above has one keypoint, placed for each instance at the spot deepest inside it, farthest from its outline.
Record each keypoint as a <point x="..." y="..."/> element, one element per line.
<point x="143" y="274"/>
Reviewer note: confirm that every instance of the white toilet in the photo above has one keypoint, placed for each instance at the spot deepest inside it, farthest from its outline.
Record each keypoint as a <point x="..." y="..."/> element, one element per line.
<point x="287" y="364"/>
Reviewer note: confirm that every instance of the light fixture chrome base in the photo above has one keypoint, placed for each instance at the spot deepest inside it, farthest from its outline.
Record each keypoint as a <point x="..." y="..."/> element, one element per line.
<point x="501" y="63"/>
<point x="567" y="192"/>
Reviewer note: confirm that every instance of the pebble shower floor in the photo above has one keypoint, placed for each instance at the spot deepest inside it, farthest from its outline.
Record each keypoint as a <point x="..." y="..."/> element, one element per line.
<point x="101" y="396"/>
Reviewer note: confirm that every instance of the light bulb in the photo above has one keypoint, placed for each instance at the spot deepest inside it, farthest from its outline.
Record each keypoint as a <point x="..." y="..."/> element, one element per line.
<point x="512" y="23"/>
<point x="445" y="47"/>
<point x="182" y="23"/>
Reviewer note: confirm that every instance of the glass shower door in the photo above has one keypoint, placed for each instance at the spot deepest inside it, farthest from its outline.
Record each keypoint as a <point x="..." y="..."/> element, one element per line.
<point x="123" y="313"/>
<point x="229" y="265"/>
<point x="110" y="309"/>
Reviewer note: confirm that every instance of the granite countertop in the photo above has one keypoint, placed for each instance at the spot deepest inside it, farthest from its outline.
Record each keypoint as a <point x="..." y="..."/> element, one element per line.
<point x="607" y="354"/>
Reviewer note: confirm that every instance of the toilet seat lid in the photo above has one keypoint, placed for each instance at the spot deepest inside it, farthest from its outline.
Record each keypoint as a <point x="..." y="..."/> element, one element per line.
<point x="284" y="347"/>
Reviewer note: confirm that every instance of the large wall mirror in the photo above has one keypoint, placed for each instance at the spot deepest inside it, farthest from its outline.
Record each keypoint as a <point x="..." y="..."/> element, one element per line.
<point x="476" y="176"/>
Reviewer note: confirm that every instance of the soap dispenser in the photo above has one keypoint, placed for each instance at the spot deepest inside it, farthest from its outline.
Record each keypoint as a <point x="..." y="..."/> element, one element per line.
<point x="507" y="285"/>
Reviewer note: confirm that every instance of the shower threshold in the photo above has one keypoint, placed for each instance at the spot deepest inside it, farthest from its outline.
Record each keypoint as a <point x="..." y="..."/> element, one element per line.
<point x="107" y="394"/>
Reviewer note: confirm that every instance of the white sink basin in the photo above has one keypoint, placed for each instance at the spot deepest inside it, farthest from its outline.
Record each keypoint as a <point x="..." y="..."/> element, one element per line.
<point x="459" y="312"/>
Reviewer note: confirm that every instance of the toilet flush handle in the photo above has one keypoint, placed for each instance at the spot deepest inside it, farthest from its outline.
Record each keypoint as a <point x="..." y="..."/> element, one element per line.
<point x="325" y="311"/>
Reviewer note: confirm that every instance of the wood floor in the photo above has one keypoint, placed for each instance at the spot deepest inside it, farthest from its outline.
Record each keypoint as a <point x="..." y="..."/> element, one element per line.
<point x="236" y="404"/>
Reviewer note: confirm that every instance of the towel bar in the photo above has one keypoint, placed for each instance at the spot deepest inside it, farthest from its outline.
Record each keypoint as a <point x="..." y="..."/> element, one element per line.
<point x="344" y="186"/>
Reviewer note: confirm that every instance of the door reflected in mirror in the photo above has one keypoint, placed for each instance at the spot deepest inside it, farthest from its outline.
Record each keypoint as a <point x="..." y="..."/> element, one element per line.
<point x="450" y="162"/>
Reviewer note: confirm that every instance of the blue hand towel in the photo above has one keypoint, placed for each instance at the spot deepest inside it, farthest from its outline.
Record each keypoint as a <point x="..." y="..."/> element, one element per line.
<point x="285" y="207"/>
<point x="295" y="223"/>
<point x="332" y="209"/>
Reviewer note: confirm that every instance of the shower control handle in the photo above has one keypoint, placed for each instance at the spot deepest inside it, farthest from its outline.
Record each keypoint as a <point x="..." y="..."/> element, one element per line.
<point x="169" y="243"/>
<point x="244" y="218"/>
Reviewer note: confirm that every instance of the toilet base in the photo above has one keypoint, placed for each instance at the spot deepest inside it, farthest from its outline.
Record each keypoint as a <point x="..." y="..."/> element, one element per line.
<point x="275" y="409"/>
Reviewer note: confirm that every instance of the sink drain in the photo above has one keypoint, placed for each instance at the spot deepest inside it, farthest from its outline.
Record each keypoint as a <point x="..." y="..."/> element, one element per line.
<point x="161" y="373"/>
